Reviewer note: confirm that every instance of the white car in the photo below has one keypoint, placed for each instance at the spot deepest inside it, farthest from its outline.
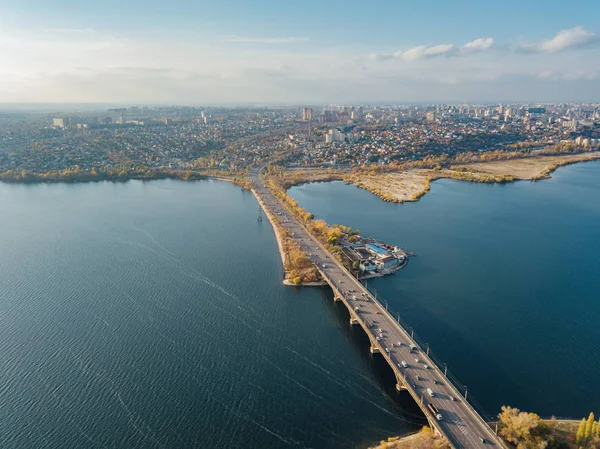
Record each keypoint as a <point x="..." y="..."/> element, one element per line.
<point x="387" y="350"/>
<point x="417" y="360"/>
<point x="378" y="339"/>
<point x="404" y="364"/>
<point x="425" y="366"/>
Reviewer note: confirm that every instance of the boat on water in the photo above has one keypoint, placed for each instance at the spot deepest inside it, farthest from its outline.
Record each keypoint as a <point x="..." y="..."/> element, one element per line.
<point x="259" y="218"/>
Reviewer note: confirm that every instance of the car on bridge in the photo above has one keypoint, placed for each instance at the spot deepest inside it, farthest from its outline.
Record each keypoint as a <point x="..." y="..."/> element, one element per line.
<point x="435" y="411"/>
<point x="404" y="364"/>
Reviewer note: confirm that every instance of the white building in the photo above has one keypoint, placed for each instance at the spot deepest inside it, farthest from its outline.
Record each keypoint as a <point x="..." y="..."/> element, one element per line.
<point x="334" y="135"/>
<point x="386" y="262"/>
<point x="58" y="122"/>
<point x="572" y="124"/>
<point x="367" y="265"/>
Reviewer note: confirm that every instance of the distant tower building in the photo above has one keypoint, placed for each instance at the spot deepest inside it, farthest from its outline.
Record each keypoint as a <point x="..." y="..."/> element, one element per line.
<point x="431" y="116"/>
<point x="58" y="122"/>
<point x="328" y="116"/>
<point x="307" y="114"/>
<point x="335" y="135"/>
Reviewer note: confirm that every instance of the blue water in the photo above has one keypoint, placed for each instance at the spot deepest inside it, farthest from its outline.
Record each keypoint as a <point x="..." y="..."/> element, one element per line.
<point x="505" y="286"/>
<point x="152" y="315"/>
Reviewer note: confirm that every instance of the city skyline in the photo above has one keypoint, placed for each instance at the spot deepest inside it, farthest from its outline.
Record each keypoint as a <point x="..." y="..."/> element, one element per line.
<point x="193" y="53"/>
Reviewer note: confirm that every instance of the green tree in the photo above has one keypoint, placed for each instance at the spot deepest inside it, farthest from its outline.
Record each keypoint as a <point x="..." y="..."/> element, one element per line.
<point x="580" y="435"/>
<point x="589" y="426"/>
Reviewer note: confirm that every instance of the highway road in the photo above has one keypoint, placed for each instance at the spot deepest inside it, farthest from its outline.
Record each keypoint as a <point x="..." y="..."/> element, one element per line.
<point x="460" y="423"/>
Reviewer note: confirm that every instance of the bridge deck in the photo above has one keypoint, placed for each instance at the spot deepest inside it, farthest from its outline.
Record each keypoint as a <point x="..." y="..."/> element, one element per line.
<point x="460" y="424"/>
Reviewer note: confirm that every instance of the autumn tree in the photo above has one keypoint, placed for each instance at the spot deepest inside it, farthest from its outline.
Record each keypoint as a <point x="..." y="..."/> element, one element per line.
<point x="580" y="435"/>
<point x="523" y="430"/>
<point x="589" y="426"/>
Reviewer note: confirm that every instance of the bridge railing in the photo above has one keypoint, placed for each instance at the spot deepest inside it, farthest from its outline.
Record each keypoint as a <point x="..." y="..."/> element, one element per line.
<point x="442" y="366"/>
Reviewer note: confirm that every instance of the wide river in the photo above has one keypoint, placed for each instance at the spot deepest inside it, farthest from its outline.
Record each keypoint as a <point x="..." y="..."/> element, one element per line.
<point x="152" y="314"/>
<point x="505" y="286"/>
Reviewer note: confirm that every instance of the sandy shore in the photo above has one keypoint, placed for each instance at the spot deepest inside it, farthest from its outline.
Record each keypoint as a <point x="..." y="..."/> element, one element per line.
<point x="411" y="185"/>
<point x="530" y="168"/>
<point x="275" y="229"/>
<point x="282" y="252"/>
<point x="397" y="187"/>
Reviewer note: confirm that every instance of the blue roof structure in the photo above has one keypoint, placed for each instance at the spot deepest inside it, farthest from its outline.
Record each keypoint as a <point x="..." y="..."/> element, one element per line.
<point x="377" y="249"/>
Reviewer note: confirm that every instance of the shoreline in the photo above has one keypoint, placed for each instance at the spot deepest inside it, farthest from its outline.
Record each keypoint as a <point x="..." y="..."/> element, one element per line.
<point x="410" y="185"/>
<point x="276" y="230"/>
<point x="158" y="175"/>
<point x="282" y="252"/>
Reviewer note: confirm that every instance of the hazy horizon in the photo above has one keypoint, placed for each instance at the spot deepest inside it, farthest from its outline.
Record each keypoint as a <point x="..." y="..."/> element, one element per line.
<point x="232" y="52"/>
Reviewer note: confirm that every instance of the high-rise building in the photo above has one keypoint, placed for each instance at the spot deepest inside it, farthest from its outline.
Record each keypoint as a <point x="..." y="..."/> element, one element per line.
<point x="58" y="122"/>
<point x="307" y="114"/>
<point x="431" y="116"/>
<point x="334" y="135"/>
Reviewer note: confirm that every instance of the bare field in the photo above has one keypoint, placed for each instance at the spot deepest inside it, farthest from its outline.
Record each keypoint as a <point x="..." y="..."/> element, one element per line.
<point x="529" y="168"/>
<point x="397" y="187"/>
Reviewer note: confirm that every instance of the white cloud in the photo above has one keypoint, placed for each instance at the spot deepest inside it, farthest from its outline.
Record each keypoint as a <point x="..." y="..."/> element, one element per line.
<point x="424" y="52"/>
<point x="88" y="65"/>
<point x="380" y="56"/>
<point x="265" y="40"/>
<point x="477" y="46"/>
<point x="573" y="38"/>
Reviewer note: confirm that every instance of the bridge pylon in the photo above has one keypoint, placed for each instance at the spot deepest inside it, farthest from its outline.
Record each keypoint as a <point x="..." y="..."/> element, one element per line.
<point x="375" y="350"/>
<point x="353" y="321"/>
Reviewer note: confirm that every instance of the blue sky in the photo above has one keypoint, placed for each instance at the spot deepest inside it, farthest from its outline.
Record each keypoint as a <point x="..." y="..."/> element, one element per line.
<point x="299" y="51"/>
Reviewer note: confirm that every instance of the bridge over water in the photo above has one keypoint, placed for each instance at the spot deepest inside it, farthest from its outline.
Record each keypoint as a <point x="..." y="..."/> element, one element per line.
<point x="460" y="423"/>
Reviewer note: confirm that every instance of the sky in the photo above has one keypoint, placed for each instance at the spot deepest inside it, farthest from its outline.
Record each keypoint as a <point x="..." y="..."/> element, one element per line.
<point x="300" y="52"/>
